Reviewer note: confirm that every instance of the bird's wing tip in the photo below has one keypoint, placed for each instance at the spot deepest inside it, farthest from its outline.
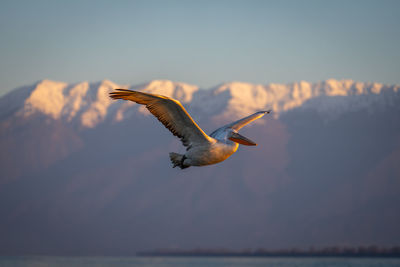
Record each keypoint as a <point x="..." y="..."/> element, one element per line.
<point x="264" y="112"/>
<point x="119" y="93"/>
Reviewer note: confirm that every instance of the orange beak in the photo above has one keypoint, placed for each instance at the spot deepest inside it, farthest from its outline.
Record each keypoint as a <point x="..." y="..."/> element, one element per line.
<point x="240" y="139"/>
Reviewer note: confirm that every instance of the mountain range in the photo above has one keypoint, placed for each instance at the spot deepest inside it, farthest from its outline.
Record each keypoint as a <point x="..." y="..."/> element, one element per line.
<point x="82" y="174"/>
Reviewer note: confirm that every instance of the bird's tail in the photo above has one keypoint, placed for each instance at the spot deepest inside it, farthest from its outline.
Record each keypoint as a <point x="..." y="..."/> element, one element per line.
<point x="177" y="160"/>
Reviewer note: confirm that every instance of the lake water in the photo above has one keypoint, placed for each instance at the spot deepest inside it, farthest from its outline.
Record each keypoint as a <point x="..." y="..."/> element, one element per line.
<point x="41" y="261"/>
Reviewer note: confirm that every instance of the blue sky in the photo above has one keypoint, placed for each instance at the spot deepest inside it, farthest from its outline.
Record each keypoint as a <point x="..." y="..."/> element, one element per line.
<point x="199" y="42"/>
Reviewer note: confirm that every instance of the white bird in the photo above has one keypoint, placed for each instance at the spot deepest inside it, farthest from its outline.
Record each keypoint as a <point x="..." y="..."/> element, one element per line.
<point x="202" y="149"/>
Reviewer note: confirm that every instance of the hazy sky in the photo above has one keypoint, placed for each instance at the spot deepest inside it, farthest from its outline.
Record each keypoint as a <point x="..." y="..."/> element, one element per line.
<point x="198" y="42"/>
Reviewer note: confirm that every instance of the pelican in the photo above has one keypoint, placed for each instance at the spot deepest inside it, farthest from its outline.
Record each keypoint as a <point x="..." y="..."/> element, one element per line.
<point x="201" y="149"/>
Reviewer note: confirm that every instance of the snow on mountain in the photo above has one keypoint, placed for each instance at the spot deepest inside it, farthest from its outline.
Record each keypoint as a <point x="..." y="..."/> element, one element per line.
<point x="98" y="107"/>
<point x="327" y="96"/>
<point x="330" y="98"/>
<point x="338" y="97"/>
<point x="177" y="90"/>
<point x="181" y="91"/>
<point x="88" y="104"/>
<point x="47" y="98"/>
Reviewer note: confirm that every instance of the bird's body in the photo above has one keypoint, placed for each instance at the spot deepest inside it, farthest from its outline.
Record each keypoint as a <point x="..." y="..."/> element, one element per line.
<point x="211" y="153"/>
<point x="202" y="149"/>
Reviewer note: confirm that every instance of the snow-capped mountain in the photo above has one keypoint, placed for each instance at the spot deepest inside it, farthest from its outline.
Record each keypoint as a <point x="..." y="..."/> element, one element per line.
<point x="88" y="104"/>
<point x="81" y="174"/>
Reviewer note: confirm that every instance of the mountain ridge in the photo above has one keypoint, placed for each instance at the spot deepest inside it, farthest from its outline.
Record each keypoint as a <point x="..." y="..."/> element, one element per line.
<point x="89" y="104"/>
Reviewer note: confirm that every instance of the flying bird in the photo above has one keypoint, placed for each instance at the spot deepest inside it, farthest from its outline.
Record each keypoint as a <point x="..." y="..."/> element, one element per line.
<point x="201" y="149"/>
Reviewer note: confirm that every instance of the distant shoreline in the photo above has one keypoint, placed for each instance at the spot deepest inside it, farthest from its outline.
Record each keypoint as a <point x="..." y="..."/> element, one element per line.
<point x="359" y="252"/>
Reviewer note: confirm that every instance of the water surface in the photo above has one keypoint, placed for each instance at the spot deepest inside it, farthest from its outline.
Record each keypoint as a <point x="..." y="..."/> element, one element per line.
<point x="44" y="261"/>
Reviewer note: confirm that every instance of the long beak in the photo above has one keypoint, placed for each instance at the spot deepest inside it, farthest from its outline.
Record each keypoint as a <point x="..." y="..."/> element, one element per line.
<point x="238" y="138"/>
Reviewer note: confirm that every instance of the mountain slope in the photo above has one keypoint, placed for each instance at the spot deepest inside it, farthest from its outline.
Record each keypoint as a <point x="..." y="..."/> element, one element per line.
<point x="83" y="175"/>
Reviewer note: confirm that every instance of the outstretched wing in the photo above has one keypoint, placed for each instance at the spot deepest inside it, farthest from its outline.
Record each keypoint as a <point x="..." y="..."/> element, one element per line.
<point x="169" y="112"/>
<point x="221" y="132"/>
<point x="242" y="122"/>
